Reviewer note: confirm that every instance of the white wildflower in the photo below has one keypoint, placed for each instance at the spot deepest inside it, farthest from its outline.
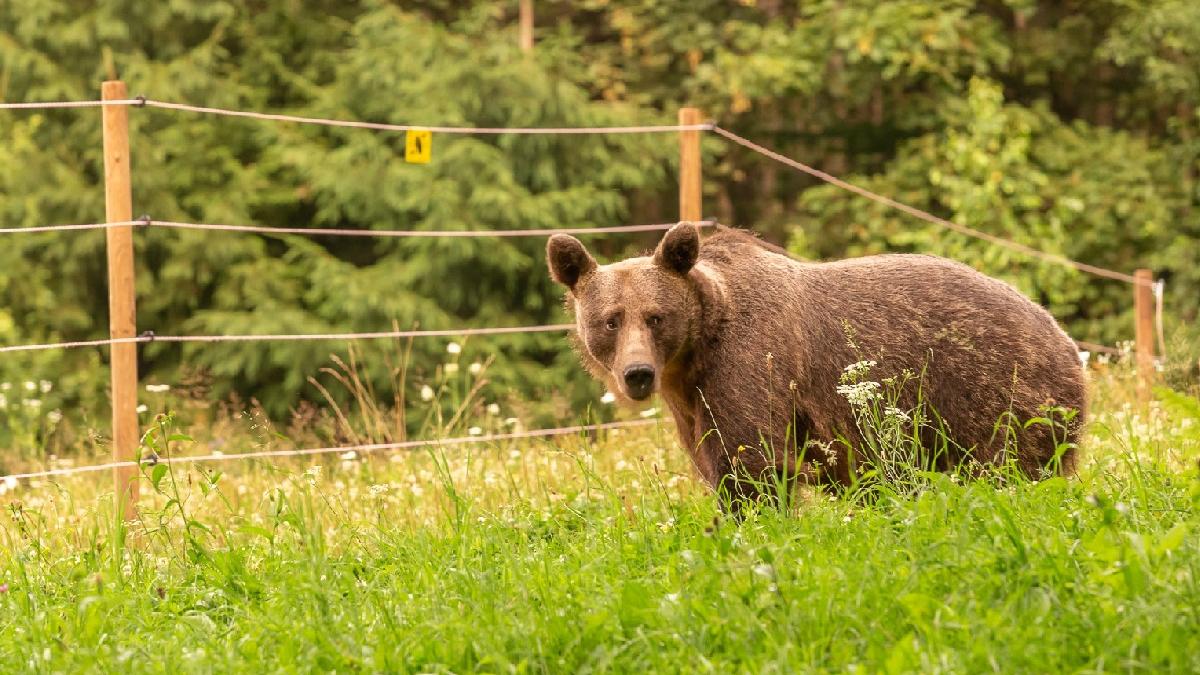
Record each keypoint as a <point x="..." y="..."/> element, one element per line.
<point x="475" y="368"/>
<point x="511" y="421"/>
<point x="475" y="431"/>
<point x="514" y="454"/>
<point x="426" y="393"/>
<point x="5" y="386"/>
<point x="859" y="393"/>
<point x="32" y="403"/>
<point x="158" y="388"/>
<point x="3" y="402"/>
<point x="377" y="490"/>
<point x="450" y="368"/>
<point x="672" y="597"/>
<point x="1084" y="357"/>
<point x="608" y="397"/>
<point x="453" y="348"/>
<point x="45" y="386"/>
<point x="30" y="386"/>
<point x="54" y="416"/>
<point x="142" y="408"/>
<point x="895" y="413"/>
<point x="493" y="409"/>
<point x="349" y="456"/>
<point x="649" y="412"/>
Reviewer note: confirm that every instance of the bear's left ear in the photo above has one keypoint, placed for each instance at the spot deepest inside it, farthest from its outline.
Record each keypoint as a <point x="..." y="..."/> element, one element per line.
<point x="679" y="248"/>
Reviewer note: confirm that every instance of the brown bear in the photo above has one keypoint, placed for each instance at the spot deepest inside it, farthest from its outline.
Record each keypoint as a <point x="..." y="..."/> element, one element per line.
<point x="753" y="352"/>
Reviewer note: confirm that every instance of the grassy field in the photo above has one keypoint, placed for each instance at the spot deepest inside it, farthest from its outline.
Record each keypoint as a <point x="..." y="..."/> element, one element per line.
<point x="584" y="555"/>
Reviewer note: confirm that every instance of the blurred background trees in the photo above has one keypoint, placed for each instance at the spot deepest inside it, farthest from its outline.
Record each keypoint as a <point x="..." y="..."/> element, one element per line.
<point x="1070" y="126"/>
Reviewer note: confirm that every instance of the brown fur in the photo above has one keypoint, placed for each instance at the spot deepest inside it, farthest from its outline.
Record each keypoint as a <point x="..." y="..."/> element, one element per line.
<point x="747" y="346"/>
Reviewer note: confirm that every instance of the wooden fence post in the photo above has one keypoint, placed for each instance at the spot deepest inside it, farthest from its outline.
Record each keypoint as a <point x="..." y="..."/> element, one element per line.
<point x="691" y="199"/>
<point x="526" y="25"/>
<point x="122" y="321"/>
<point x="1143" y="309"/>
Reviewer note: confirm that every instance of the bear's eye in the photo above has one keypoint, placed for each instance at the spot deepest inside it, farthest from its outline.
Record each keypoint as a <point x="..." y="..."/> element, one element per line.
<point x="653" y="321"/>
<point x="612" y="323"/>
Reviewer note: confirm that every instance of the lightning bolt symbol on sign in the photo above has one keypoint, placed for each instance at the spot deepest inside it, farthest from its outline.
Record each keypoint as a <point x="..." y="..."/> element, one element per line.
<point x="418" y="146"/>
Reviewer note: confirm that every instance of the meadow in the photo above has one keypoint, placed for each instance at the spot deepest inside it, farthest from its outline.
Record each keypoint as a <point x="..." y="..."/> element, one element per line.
<point x="603" y="553"/>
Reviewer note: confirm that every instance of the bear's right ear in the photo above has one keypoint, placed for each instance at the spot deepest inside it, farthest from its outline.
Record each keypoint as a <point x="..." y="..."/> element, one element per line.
<point x="679" y="248"/>
<point x="569" y="261"/>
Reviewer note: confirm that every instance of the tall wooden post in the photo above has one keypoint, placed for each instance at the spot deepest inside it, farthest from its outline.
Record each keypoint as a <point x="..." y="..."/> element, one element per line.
<point x="691" y="200"/>
<point x="526" y="25"/>
<point x="122" y="322"/>
<point x="1143" y="310"/>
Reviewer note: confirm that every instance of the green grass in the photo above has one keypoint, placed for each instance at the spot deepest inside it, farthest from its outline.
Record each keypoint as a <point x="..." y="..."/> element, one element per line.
<point x="607" y="556"/>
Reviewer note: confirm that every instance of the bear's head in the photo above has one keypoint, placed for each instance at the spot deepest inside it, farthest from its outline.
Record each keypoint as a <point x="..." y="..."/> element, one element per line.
<point x="634" y="317"/>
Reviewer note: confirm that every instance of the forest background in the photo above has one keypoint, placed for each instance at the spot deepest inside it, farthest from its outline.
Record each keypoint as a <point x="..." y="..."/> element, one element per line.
<point x="1073" y="127"/>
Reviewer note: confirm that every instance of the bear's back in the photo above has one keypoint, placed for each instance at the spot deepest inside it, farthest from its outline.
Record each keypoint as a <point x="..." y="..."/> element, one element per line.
<point x="981" y="347"/>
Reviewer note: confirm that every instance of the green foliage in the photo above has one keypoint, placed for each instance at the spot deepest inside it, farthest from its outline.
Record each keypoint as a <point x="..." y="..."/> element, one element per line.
<point x="1071" y="127"/>
<point x="458" y="562"/>
<point x="218" y="170"/>
<point x="1086" y="193"/>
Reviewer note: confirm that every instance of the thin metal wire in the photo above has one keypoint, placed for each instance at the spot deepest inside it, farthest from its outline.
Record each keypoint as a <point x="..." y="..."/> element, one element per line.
<point x="378" y="126"/>
<point x="150" y="337"/>
<point x="70" y="345"/>
<point x="287" y="337"/>
<point x="453" y="332"/>
<point x="46" y="105"/>
<point x="340" y="232"/>
<point x="925" y="215"/>
<point x="1098" y="348"/>
<point x="345" y="232"/>
<point x="60" y="228"/>
<point x="364" y="448"/>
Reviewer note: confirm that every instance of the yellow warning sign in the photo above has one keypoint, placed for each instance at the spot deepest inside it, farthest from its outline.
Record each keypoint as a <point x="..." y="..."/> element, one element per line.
<point x="418" y="146"/>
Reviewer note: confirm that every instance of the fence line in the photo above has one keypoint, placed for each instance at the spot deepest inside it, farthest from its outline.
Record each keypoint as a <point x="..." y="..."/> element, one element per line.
<point x="729" y="135"/>
<point x="60" y="228"/>
<point x="70" y="345"/>
<point x="150" y="336"/>
<point x="740" y="140"/>
<point x="452" y="332"/>
<point x="337" y="232"/>
<point x="121" y="276"/>
<point x="925" y="215"/>
<point x="363" y="448"/>
<point x="1098" y="348"/>
<point x="346" y="232"/>
<point x="294" y="337"/>
<point x="47" y="105"/>
<point x="380" y="126"/>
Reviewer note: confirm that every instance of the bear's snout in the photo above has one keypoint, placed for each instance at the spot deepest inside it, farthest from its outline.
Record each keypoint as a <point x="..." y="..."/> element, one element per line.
<point x="639" y="381"/>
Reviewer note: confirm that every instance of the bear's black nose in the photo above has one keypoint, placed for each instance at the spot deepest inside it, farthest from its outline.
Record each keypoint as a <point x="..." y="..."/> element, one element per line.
<point x="639" y="381"/>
